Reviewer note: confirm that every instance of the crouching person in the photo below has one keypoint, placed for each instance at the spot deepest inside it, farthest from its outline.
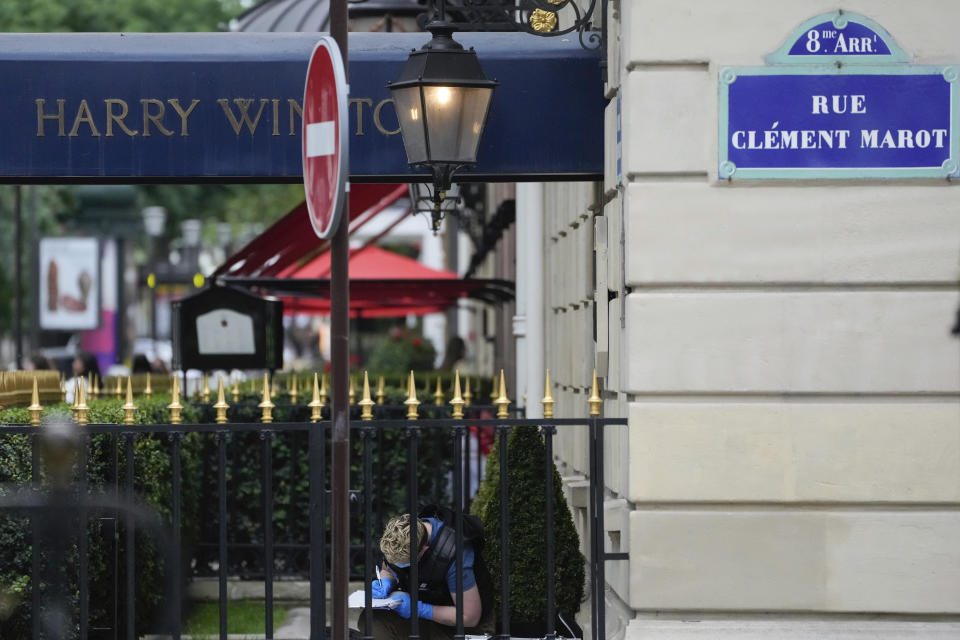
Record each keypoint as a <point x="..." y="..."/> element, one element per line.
<point x="435" y="531"/>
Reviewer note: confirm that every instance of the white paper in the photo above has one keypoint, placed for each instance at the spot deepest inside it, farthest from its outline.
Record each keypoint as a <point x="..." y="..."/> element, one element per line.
<point x="357" y="600"/>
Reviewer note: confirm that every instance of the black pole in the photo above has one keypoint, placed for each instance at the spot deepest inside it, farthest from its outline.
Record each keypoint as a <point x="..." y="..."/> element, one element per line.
<point x="177" y="481"/>
<point x="340" y="369"/>
<point x="83" y="543"/>
<point x="413" y="500"/>
<point x="17" y="274"/>
<point x="368" y="532"/>
<point x="267" y="454"/>
<point x="130" y="542"/>
<point x="459" y="433"/>
<point x="222" y="528"/>
<point x="503" y="432"/>
<point x="34" y="268"/>
<point x="121" y="318"/>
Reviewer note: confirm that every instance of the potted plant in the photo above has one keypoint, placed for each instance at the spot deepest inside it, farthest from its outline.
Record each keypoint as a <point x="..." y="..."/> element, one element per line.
<point x="526" y="511"/>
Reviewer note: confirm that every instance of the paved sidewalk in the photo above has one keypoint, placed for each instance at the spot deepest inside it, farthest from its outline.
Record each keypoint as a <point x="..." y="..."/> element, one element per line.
<point x="296" y="626"/>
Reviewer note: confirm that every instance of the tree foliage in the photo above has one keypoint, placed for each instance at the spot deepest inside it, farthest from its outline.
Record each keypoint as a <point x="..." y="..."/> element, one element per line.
<point x="115" y="15"/>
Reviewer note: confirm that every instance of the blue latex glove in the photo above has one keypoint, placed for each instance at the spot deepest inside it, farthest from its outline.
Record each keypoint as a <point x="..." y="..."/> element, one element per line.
<point x="424" y="610"/>
<point x="381" y="588"/>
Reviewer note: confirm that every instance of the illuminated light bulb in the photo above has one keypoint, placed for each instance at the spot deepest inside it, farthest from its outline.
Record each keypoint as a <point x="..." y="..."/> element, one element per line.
<point x="414" y="114"/>
<point x="443" y="95"/>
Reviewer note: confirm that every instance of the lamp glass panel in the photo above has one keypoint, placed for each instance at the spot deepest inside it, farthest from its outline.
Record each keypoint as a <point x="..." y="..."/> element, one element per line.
<point x="456" y="117"/>
<point x="410" y="117"/>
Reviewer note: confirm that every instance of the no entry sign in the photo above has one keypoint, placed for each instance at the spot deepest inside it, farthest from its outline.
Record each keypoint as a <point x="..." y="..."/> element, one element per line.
<point x="324" y="142"/>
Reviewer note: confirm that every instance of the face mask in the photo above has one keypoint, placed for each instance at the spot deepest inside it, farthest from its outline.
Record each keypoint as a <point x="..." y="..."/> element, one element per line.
<point x="403" y="566"/>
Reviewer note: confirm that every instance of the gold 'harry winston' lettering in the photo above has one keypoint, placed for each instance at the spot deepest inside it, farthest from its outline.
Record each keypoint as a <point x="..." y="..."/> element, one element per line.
<point x="243" y="104"/>
<point x="155" y="118"/>
<point x="112" y="117"/>
<point x="360" y="102"/>
<point x="41" y="116"/>
<point x="175" y="103"/>
<point x="294" y="107"/>
<point x="378" y="123"/>
<point x="239" y="112"/>
<point x="84" y="115"/>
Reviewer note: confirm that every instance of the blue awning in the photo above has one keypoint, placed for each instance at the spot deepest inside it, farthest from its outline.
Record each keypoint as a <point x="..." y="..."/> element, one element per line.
<point x="222" y="107"/>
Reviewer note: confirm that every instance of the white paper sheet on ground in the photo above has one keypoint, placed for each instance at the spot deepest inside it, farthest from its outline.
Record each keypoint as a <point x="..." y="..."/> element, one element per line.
<point x="357" y="600"/>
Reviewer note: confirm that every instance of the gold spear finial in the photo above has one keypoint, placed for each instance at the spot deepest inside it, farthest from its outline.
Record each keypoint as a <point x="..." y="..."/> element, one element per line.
<point x="63" y="391"/>
<point x="221" y="406"/>
<point x="353" y="390"/>
<point x="467" y="396"/>
<point x="315" y="405"/>
<point x="175" y="406"/>
<point x="502" y="400"/>
<point x="266" y="406"/>
<point x="323" y="390"/>
<point x="411" y="401"/>
<point x="205" y="391"/>
<point x="235" y="391"/>
<point x="128" y="407"/>
<point x="381" y="394"/>
<point x="294" y="392"/>
<point x="595" y="400"/>
<point x="366" y="403"/>
<point x="94" y="387"/>
<point x="82" y="407"/>
<point x="457" y="401"/>
<point x="547" y="398"/>
<point x="493" y="390"/>
<point x="148" y="390"/>
<point x="119" y="390"/>
<point x="35" y="409"/>
<point x="438" y="394"/>
<point x="76" y="397"/>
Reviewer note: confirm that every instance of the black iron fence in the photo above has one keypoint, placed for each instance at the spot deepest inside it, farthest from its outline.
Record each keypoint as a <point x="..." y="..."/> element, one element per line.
<point x="440" y="465"/>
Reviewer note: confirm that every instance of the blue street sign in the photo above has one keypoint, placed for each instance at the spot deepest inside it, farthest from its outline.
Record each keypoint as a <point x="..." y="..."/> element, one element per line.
<point x="838" y="120"/>
<point x="854" y="124"/>
<point x="228" y="106"/>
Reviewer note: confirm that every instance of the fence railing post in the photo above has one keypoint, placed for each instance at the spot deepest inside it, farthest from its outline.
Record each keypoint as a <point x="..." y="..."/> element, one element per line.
<point x="413" y="440"/>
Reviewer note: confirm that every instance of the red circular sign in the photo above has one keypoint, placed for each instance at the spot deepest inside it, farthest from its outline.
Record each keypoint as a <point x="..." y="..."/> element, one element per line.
<point x="323" y="143"/>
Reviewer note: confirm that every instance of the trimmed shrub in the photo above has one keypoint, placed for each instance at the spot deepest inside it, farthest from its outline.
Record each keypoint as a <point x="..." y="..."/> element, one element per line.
<point x="526" y="510"/>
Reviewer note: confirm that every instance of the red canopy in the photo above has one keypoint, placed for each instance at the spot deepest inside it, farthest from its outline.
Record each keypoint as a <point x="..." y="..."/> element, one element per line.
<point x="289" y="261"/>
<point x="382" y="284"/>
<point x="291" y="239"/>
<point x="370" y="263"/>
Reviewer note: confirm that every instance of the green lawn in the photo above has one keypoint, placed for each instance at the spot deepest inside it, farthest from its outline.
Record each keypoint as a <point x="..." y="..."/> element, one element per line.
<point x="243" y="616"/>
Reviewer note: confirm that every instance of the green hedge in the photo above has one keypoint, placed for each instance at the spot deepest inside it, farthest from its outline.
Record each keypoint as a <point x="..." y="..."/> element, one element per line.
<point x="291" y="489"/>
<point x="152" y="483"/>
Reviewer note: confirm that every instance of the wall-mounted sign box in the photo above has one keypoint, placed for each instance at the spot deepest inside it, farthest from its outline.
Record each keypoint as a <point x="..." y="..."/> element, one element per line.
<point x="838" y="100"/>
<point x="225" y="328"/>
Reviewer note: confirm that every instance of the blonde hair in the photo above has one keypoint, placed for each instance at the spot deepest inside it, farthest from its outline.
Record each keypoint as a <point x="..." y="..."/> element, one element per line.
<point x="395" y="542"/>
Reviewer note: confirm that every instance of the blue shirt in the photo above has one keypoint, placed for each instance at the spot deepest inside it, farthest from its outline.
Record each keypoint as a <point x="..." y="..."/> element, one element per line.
<point x="469" y="581"/>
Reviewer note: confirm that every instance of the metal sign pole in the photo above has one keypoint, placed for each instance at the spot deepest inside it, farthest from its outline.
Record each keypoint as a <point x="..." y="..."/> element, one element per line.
<point x="340" y="369"/>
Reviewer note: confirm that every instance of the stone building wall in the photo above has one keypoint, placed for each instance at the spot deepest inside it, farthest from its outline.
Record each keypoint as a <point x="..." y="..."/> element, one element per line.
<point x="791" y="467"/>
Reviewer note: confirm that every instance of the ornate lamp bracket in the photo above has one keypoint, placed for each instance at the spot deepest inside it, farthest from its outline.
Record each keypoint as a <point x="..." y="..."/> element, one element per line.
<point x="539" y="17"/>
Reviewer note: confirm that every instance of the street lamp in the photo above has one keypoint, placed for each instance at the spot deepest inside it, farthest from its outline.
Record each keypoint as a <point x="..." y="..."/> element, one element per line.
<point x="442" y="98"/>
